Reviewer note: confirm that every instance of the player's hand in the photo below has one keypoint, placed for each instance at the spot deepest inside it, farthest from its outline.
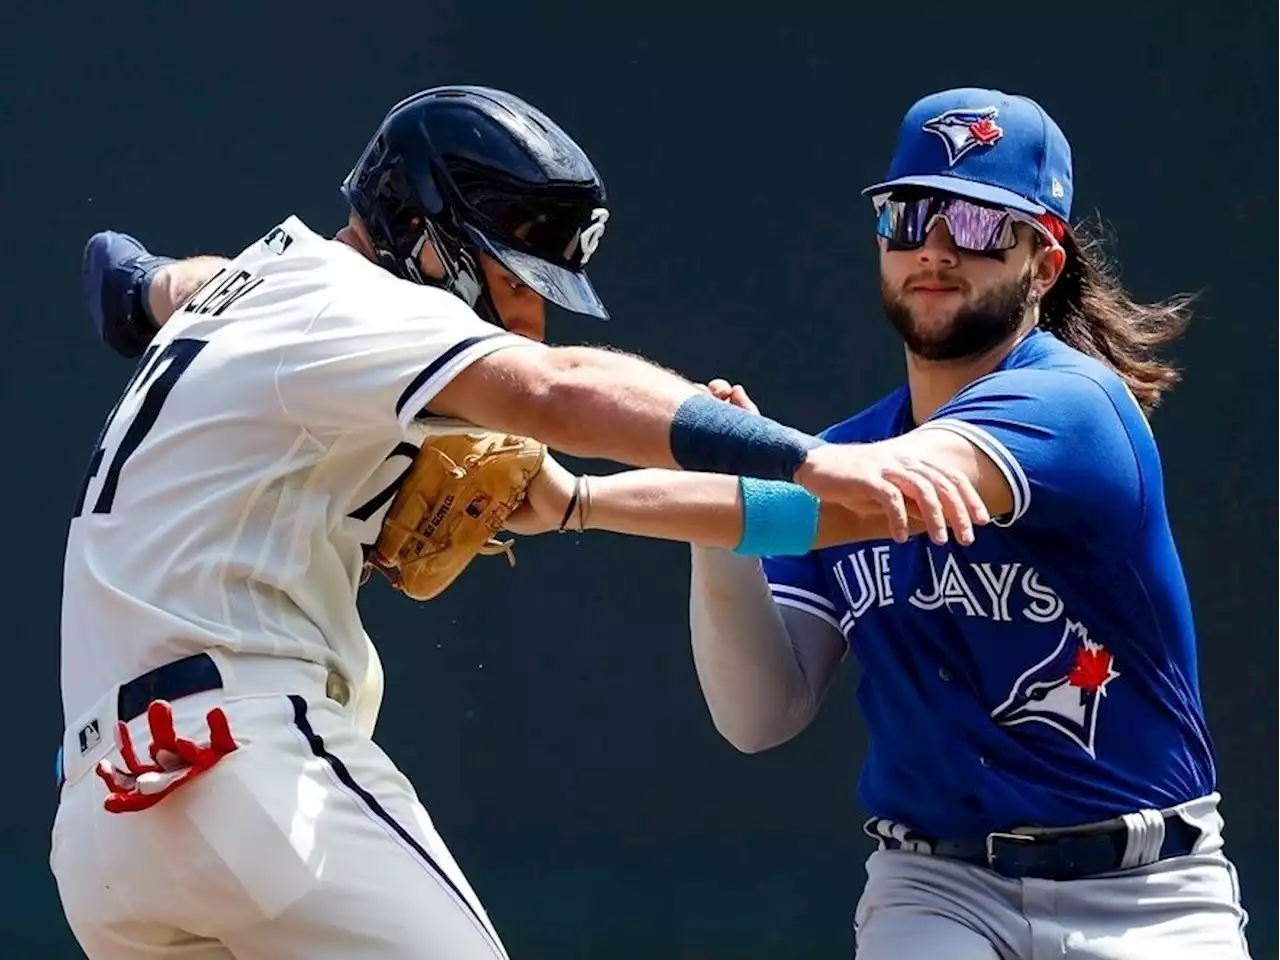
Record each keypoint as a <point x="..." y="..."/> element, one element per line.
<point x="733" y="393"/>
<point x="937" y="498"/>
<point x="174" y="760"/>
<point x="876" y="478"/>
<point x="545" y="501"/>
<point x="114" y="271"/>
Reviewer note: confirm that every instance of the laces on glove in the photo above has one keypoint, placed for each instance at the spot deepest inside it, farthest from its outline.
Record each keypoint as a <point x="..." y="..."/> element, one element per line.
<point x="174" y="760"/>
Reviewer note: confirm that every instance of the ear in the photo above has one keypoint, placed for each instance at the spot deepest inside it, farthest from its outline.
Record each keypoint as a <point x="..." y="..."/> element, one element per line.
<point x="429" y="262"/>
<point x="1046" y="268"/>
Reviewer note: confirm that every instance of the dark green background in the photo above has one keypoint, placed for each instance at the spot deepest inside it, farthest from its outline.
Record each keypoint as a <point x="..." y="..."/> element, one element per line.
<point x="560" y="742"/>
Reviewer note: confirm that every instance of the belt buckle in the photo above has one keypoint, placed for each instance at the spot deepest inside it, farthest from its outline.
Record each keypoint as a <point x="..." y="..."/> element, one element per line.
<point x="993" y="837"/>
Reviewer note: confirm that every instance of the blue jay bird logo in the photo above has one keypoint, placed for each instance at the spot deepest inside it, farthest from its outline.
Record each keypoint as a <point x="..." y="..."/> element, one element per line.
<point x="1064" y="690"/>
<point x="964" y="130"/>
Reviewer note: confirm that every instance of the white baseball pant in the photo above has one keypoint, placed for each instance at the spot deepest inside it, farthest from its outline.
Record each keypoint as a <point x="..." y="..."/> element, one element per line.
<point x="306" y="843"/>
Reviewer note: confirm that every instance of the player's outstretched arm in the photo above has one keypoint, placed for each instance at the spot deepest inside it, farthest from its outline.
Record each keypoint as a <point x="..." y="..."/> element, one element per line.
<point x="593" y="402"/>
<point x="603" y="404"/>
<point x="703" y="509"/>
<point x="713" y="510"/>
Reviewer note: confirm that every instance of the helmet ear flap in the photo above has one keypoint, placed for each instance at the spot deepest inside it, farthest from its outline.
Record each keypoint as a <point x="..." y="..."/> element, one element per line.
<point x="464" y="276"/>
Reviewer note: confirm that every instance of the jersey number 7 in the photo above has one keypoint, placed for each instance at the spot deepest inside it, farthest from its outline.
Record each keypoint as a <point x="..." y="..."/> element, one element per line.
<point x="154" y="383"/>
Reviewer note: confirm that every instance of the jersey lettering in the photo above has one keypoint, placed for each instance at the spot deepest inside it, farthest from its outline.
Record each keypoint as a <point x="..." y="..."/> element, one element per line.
<point x="872" y="588"/>
<point x="222" y="290"/>
<point x="154" y="387"/>
<point x="981" y="590"/>
<point x="998" y="584"/>
<point x="949" y="587"/>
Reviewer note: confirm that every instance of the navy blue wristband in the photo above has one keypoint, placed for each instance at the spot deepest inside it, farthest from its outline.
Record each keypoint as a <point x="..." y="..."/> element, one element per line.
<point x="713" y="436"/>
<point x="148" y="267"/>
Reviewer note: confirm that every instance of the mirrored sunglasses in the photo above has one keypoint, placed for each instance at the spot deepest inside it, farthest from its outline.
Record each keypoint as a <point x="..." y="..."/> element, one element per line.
<point x="905" y="222"/>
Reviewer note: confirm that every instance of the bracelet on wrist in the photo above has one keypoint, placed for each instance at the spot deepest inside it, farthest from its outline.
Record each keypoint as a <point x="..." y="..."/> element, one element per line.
<point x="573" y="503"/>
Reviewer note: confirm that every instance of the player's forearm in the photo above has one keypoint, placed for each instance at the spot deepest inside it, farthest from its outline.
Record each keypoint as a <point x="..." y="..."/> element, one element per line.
<point x="699" y="508"/>
<point x="601" y="404"/>
<point x="751" y="676"/>
<point x="607" y="405"/>
<point x="704" y="509"/>
<point x="175" y="284"/>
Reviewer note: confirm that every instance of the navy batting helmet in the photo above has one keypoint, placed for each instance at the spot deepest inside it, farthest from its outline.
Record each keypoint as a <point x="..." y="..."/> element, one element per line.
<point x="470" y="170"/>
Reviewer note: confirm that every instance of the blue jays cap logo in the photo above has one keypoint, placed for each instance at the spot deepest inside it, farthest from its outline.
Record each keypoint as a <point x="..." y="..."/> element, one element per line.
<point x="963" y="130"/>
<point x="1064" y="690"/>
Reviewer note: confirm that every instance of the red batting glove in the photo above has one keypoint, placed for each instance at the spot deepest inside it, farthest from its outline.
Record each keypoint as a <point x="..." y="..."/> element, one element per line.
<point x="175" y="760"/>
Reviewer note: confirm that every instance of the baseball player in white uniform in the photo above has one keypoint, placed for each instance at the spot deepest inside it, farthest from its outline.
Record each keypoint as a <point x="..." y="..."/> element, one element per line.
<point x="218" y="542"/>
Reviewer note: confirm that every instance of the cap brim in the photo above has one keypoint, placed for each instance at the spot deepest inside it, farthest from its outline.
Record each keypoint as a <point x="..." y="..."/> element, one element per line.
<point x="960" y="187"/>
<point x="565" y="288"/>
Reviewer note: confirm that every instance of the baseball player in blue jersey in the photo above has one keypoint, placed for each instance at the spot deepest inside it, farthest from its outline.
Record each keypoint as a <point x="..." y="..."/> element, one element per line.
<point x="1040" y="778"/>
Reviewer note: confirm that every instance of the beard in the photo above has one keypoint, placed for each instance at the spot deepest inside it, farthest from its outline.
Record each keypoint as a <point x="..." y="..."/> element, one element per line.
<point x="975" y="329"/>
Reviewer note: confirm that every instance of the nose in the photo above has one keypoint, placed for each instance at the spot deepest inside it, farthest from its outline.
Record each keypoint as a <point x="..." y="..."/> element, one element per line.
<point x="524" y="313"/>
<point x="939" y="247"/>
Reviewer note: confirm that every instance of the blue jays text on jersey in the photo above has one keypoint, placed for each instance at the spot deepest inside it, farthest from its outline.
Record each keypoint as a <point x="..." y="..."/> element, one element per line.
<point x="1045" y="675"/>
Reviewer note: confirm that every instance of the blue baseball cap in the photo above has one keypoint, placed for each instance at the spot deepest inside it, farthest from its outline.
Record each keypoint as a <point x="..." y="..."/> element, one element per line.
<point x="986" y="145"/>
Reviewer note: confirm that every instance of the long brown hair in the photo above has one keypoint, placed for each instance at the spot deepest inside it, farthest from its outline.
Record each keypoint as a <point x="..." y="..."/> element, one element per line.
<point x="1089" y="309"/>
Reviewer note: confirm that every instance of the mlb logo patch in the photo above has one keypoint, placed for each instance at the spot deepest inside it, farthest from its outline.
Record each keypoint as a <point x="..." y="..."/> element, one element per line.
<point x="90" y="737"/>
<point x="479" y="503"/>
<point x="277" y="241"/>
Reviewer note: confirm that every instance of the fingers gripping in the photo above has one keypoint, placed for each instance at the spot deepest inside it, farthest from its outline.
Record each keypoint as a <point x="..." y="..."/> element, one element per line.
<point x="954" y="509"/>
<point x="914" y="483"/>
<point x="174" y="760"/>
<point x="894" y="505"/>
<point x="943" y="497"/>
<point x="960" y="501"/>
<point x="974" y="504"/>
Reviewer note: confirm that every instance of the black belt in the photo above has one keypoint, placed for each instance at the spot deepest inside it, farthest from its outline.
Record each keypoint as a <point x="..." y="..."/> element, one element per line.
<point x="172" y="681"/>
<point x="1059" y="856"/>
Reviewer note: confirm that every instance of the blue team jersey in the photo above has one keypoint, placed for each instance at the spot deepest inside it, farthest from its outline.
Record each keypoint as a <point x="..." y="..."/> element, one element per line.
<point x="1046" y="674"/>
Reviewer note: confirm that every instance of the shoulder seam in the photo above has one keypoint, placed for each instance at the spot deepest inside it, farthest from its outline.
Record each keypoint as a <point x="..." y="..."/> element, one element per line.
<point x="1133" y="450"/>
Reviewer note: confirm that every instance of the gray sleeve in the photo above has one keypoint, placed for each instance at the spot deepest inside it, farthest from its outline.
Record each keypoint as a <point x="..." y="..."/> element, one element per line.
<point x="764" y="669"/>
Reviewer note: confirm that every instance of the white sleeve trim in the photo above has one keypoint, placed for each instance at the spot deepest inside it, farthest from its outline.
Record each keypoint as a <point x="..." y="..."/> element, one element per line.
<point x="807" y="596"/>
<point x="812" y="609"/>
<point x="1014" y="475"/>
<point x="437" y="375"/>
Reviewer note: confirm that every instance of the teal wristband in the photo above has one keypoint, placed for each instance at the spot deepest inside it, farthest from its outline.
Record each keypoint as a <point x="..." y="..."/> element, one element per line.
<point x="778" y="518"/>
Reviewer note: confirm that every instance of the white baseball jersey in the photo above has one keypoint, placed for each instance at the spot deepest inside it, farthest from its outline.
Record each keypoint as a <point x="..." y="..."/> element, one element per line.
<point x="250" y="461"/>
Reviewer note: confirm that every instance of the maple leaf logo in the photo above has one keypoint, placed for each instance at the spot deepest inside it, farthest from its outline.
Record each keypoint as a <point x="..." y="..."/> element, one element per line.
<point x="986" y="131"/>
<point x="1092" y="670"/>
